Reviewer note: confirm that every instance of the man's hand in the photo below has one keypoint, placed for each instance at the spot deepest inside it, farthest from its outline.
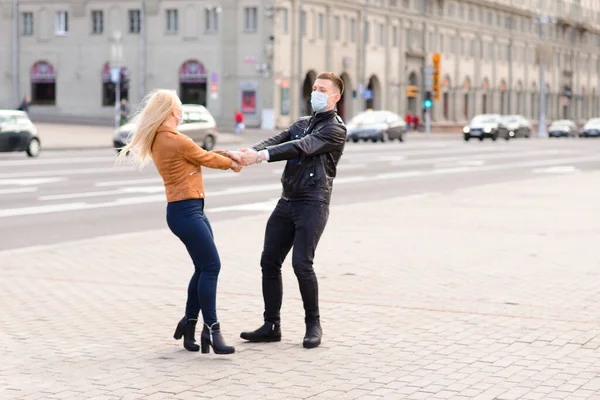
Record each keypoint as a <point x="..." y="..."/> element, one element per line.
<point x="236" y="167"/>
<point x="235" y="156"/>
<point x="249" y="156"/>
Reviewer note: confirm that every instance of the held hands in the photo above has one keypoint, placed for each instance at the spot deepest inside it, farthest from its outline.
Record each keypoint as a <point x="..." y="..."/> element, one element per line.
<point x="248" y="156"/>
<point x="242" y="158"/>
<point x="236" y="167"/>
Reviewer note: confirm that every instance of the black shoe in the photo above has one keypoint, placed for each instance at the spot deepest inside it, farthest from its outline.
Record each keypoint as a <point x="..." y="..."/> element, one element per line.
<point x="211" y="337"/>
<point x="269" y="332"/>
<point x="187" y="329"/>
<point x="313" y="335"/>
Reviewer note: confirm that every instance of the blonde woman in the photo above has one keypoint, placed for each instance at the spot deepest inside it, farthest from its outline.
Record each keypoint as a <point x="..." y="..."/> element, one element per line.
<point x="178" y="160"/>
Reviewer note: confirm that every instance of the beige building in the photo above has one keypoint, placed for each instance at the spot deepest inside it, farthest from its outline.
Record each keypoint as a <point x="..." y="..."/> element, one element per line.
<point x="246" y="55"/>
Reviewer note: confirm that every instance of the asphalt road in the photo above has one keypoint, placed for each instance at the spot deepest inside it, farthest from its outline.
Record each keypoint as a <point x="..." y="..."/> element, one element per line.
<point x="70" y="195"/>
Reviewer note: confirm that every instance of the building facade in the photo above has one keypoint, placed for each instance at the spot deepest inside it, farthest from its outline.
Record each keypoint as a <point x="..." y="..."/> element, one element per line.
<point x="261" y="56"/>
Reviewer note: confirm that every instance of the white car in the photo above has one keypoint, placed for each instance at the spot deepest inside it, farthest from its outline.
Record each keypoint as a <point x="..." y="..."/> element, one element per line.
<point x="18" y="133"/>
<point x="591" y="128"/>
<point x="518" y="126"/>
<point x="196" y="122"/>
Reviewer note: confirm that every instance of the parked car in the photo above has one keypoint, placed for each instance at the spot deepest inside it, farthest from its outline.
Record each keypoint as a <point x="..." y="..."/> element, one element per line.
<point x="485" y="126"/>
<point x="591" y="128"/>
<point x="376" y="126"/>
<point x="518" y="126"/>
<point x="196" y="122"/>
<point x="562" y="127"/>
<point x="18" y="133"/>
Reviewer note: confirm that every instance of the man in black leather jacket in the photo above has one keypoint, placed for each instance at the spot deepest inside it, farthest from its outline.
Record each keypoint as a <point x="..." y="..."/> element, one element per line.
<point x="312" y="147"/>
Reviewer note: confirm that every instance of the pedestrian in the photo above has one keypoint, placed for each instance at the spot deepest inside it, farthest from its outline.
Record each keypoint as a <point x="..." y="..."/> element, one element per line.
<point x="123" y="112"/>
<point x="179" y="160"/>
<point x="409" y="120"/>
<point x="239" y="122"/>
<point x="416" y="122"/>
<point x="24" y="106"/>
<point x="312" y="146"/>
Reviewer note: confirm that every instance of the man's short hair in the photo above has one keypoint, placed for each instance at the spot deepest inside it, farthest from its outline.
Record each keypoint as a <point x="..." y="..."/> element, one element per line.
<point x="337" y="81"/>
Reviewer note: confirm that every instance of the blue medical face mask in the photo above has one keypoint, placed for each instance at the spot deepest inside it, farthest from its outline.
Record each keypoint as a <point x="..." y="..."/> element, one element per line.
<point x="318" y="101"/>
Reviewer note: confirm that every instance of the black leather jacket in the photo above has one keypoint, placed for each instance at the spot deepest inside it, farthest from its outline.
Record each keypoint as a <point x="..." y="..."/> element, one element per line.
<point x="313" y="147"/>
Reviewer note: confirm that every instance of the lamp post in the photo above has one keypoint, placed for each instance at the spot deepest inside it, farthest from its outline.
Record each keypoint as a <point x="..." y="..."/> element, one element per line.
<point x="300" y="79"/>
<point x="115" y="72"/>
<point x="15" y="51"/>
<point x="543" y="20"/>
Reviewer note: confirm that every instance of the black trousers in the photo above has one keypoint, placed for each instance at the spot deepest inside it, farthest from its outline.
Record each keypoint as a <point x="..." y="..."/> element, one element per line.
<point x="299" y="224"/>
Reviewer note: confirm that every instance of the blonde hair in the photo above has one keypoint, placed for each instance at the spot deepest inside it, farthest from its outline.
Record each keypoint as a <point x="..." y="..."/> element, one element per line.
<point x="154" y="110"/>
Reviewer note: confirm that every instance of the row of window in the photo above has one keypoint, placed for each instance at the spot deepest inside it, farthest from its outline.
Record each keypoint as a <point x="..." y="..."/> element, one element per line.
<point x="211" y="21"/>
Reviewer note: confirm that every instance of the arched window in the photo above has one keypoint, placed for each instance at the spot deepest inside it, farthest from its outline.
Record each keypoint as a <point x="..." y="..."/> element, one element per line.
<point x="43" y="84"/>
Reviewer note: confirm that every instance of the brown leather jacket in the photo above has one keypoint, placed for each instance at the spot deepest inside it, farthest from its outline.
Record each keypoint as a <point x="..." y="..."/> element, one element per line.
<point x="178" y="160"/>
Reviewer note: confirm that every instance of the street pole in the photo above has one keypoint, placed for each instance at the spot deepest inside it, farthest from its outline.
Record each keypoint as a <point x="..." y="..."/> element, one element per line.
<point x="510" y="61"/>
<point x="117" y="51"/>
<point x="15" y="51"/>
<point x="365" y="84"/>
<point x="300" y="63"/>
<point x="544" y="20"/>
<point x="142" y="89"/>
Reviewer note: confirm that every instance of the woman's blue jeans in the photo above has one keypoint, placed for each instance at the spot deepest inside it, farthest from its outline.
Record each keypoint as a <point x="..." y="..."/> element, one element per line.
<point x="187" y="221"/>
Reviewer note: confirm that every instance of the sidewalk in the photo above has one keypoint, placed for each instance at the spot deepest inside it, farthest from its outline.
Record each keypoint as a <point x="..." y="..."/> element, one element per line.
<point x="78" y="137"/>
<point x="482" y="293"/>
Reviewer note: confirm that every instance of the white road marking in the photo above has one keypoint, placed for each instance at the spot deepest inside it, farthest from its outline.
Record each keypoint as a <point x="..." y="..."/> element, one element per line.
<point x="51" y="161"/>
<point x="157" y="189"/>
<point x="567" y="169"/>
<point x="158" y="180"/>
<point x="479" y="158"/>
<point x="261" y="206"/>
<point x="268" y="187"/>
<point x="18" y="190"/>
<point x="30" y="182"/>
<point x="68" y="172"/>
<point x="340" y="167"/>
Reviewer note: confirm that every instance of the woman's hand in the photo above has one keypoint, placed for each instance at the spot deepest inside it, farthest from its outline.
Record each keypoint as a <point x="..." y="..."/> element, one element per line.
<point x="236" y="166"/>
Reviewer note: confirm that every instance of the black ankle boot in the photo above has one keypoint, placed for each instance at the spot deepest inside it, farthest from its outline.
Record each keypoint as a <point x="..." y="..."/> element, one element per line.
<point x="187" y="329"/>
<point x="269" y="332"/>
<point x="313" y="335"/>
<point x="211" y="337"/>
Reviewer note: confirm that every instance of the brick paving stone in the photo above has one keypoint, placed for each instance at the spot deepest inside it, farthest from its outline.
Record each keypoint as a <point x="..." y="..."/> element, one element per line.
<point x="500" y="299"/>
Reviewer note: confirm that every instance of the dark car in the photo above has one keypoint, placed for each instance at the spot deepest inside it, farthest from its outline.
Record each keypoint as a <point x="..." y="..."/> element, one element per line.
<point x="18" y="133"/>
<point x="591" y="128"/>
<point x="377" y="126"/>
<point x="562" y="128"/>
<point x="518" y="126"/>
<point x="486" y="126"/>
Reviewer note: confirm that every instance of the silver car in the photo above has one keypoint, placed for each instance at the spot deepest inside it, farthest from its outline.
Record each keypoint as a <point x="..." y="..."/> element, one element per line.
<point x="196" y="122"/>
<point x="376" y="126"/>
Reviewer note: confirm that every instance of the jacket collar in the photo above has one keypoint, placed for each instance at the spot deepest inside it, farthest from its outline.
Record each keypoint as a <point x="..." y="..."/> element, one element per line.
<point x="323" y="115"/>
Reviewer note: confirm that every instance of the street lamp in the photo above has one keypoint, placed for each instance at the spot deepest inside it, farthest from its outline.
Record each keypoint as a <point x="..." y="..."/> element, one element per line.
<point x="543" y="20"/>
<point x="115" y="71"/>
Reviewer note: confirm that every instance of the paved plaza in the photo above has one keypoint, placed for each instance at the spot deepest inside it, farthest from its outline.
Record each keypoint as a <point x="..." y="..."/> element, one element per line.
<point x="480" y="293"/>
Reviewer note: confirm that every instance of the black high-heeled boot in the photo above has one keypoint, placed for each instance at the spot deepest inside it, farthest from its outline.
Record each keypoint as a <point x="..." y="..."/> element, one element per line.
<point x="187" y="329"/>
<point x="211" y="336"/>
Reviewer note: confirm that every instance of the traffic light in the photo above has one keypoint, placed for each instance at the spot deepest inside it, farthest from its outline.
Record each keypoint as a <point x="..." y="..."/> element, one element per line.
<point x="427" y="103"/>
<point x="436" y="76"/>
